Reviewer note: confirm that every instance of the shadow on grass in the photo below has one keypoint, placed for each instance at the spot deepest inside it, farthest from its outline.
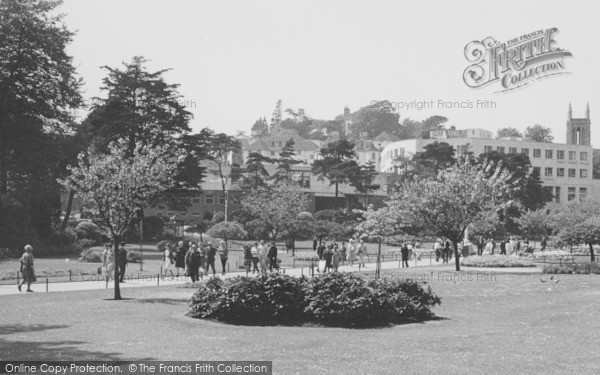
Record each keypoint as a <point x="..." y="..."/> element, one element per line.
<point x="165" y="301"/>
<point x="56" y="351"/>
<point x="20" y="328"/>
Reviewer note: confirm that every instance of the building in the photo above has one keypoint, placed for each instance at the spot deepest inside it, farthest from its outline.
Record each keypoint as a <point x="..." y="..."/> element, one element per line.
<point x="306" y="150"/>
<point x="566" y="170"/>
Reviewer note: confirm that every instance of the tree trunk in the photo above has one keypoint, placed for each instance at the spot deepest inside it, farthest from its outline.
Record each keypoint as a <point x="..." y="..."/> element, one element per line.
<point x="592" y="257"/>
<point x="65" y="221"/>
<point x="3" y="171"/>
<point x="336" y="189"/>
<point x="456" y="260"/>
<point x="116" y="275"/>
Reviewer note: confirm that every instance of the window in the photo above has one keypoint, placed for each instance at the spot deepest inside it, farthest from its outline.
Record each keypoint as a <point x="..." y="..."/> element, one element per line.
<point x="221" y="199"/>
<point x="571" y="194"/>
<point x="209" y="199"/>
<point x="487" y="149"/>
<point x="572" y="155"/>
<point x="273" y="144"/>
<point x="548" y="191"/>
<point x="500" y="149"/>
<point x="583" y="156"/>
<point x="195" y="213"/>
<point x="548" y="172"/>
<point x="302" y="178"/>
<point x="557" y="194"/>
<point x="560" y="154"/>
<point x="560" y="172"/>
<point x="512" y="150"/>
<point x="195" y="200"/>
<point x="583" y="173"/>
<point x="395" y="152"/>
<point x="548" y="154"/>
<point x="373" y="156"/>
<point x="582" y="193"/>
<point x="537" y="153"/>
<point x="525" y="151"/>
<point x="537" y="170"/>
<point x="572" y="173"/>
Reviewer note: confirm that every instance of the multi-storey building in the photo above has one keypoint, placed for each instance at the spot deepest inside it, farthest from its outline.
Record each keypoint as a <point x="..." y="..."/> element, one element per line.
<point x="565" y="169"/>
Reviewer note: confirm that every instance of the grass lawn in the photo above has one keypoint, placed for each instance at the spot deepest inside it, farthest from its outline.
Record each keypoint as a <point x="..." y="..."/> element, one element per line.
<point x="488" y="324"/>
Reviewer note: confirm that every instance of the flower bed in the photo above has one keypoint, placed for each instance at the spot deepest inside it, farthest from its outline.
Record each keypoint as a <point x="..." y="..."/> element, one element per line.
<point x="583" y="268"/>
<point x="306" y="255"/>
<point x="333" y="299"/>
<point x="496" y="261"/>
<point x="554" y="255"/>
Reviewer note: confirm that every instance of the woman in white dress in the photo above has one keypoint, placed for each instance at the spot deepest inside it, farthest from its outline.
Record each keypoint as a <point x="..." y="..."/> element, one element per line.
<point x="108" y="262"/>
<point x="351" y="252"/>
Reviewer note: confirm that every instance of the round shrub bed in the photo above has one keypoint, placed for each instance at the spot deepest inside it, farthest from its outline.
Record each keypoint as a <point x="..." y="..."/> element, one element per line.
<point x="496" y="261"/>
<point x="333" y="299"/>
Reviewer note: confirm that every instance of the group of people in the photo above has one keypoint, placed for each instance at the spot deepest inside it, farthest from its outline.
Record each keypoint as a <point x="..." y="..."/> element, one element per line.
<point x="510" y="245"/>
<point x="194" y="260"/>
<point x="335" y="255"/>
<point x="260" y="257"/>
<point x="442" y="250"/>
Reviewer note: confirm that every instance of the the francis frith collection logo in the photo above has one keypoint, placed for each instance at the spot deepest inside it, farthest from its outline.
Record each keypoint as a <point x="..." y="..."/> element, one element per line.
<point x="514" y="63"/>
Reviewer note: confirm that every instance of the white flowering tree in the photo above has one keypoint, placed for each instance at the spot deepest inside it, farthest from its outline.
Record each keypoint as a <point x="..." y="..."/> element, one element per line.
<point x="277" y="207"/>
<point x="377" y="224"/>
<point x="115" y="187"/>
<point x="459" y="196"/>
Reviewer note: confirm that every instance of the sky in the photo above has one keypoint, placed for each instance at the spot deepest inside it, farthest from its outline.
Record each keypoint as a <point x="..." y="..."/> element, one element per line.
<point x="235" y="59"/>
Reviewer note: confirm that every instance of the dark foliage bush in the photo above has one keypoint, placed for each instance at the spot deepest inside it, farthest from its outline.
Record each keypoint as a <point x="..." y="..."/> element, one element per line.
<point x="133" y="256"/>
<point x="84" y="244"/>
<point x="334" y="299"/>
<point x="579" y="268"/>
<point x="264" y="300"/>
<point x="91" y="256"/>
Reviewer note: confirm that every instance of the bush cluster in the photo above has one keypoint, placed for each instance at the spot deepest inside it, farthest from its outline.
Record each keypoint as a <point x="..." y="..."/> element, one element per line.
<point x="133" y="256"/>
<point x="88" y="255"/>
<point x="333" y="299"/>
<point x="496" y="261"/>
<point x="584" y="268"/>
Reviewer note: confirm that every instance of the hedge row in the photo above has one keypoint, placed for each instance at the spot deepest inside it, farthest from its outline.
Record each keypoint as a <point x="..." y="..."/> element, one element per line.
<point x="333" y="299"/>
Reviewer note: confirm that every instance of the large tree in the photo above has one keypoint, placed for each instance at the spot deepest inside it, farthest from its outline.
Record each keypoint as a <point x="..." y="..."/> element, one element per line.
<point x="285" y="162"/>
<point x="437" y="156"/>
<point x="538" y="133"/>
<point x="577" y="222"/>
<point x="277" y="207"/>
<point x="337" y="163"/>
<point x="115" y="186"/>
<point x="254" y="174"/>
<point x="509" y="132"/>
<point x="260" y="128"/>
<point x="451" y="202"/>
<point x="39" y="92"/>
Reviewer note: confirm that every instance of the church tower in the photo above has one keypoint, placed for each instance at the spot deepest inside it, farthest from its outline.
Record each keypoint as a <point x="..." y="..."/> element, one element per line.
<point x="579" y="129"/>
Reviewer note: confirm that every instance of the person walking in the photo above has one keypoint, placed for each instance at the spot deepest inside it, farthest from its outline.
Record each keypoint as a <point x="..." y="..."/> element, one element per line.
<point x="168" y="261"/>
<point x="315" y="243"/>
<point x="192" y="263"/>
<point x="321" y="250"/>
<point x="210" y="258"/>
<point x="27" y="270"/>
<point x="437" y="247"/>
<point x="108" y="263"/>
<point x="405" y="254"/>
<point x="248" y="256"/>
<point x="343" y="254"/>
<point x="351" y="257"/>
<point x="255" y="259"/>
<point x="272" y="256"/>
<point x="262" y="256"/>
<point x="327" y="257"/>
<point x="180" y="257"/>
<point x="223" y="254"/>
<point x="544" y="243"/>
<point x="335" y="259"/>
<point x="362" y="252"/>
<point x="503" y="247"/>
<point x="122" y="262"/>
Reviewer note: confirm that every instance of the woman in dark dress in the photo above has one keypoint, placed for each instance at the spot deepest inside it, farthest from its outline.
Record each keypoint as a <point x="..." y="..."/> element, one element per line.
<point x="180" y="257"/>
<point x="328" y="256"/>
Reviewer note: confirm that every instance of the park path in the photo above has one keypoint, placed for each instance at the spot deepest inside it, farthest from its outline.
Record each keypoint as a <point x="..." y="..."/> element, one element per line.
<point x="94" y="282"/>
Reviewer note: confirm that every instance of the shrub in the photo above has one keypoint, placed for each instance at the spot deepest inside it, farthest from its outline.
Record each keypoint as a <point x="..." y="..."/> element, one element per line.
<point x="257" y="229"/>
<point x="84" y="244"/>
<point x="334" y="299"/>
<point x="133" y="257"/>
<point x="579" y="268"/>
<point x="306" y="216"/>
<point x="88" y="255"/>
<point x="88" y="230"/>
<point x="218" y="217"/>
<point x="227" y="231"/>
<point x="267" y="299"/>
<point x="496" y="261"/>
